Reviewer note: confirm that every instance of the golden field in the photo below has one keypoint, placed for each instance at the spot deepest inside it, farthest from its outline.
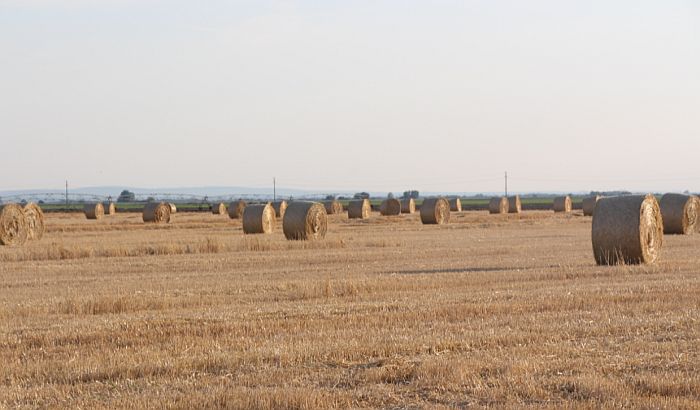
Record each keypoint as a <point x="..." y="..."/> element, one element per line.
<point x="490" y="310"/>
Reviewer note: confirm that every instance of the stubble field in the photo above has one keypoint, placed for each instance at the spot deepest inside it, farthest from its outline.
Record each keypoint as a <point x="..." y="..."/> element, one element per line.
<point x="503" y="311"/>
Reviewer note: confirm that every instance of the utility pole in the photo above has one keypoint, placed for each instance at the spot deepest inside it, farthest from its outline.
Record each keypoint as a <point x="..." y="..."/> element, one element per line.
<point x="506" y="184"/>
<point x="66" y="193"/>
<point x="274" y="189"/>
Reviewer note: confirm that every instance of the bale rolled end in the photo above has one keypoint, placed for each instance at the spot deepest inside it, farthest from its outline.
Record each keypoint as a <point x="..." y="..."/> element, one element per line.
<point x="514" y="204"/>
<point x="236" y="209"/>
<point x="680" y="214"/>
<point x="408" y="206"/>
<point x="390" y="207"/>
<point x="562" y="204"/>
<point x="35" y="221"/>
<point x="305" y="221"/>
<point x="94" y="210"/>
<point x="13" y="225"/>
<point x="156" y="212"/>
<point x="498" y="205"/>
<point x="359" y="209"/>
<point x="435" y="211"/>
<point x="259" y="218"/>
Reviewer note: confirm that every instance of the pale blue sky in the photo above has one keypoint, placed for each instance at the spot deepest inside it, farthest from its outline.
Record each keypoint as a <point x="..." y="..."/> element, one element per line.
<point x="377" y="95"/>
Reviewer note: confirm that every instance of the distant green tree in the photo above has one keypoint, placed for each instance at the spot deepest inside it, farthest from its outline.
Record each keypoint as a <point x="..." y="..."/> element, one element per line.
<point x="410" y="194"/>
<point x="361" y="195"/>
<point x="126" y="196"/>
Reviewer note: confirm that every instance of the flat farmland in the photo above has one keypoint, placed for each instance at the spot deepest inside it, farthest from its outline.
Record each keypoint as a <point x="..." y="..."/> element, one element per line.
<point x="502" y="311"/>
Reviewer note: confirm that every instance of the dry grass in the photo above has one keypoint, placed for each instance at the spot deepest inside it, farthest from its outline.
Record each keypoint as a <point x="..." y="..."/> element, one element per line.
<point x="502" y="311"/>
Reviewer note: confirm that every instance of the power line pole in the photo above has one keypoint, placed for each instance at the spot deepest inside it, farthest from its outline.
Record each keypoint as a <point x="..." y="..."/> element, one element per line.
<point x="506" y="183"/>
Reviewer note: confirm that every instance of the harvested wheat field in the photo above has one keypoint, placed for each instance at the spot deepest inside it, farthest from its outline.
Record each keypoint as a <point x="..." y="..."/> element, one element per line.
<point x="384" y="312"/>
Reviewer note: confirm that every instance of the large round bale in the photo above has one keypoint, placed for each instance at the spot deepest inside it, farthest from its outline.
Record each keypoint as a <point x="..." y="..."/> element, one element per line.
<point x="94" y="210"/>
<point x="236" y="208"/>
<point x="359" y="209"/>
<point x="456" y="205"/>
<point x="333" y="207"/>
<point x="679" y="213"/>
<point x="35" y="221"/>
<point x="435" y="211"/>
<point x="390" y="207"/>
<point x="408" y="206"/>
<point x="218" y="208"/>
<point x="514" y="204"/>
<point x="588" y="204"/>
<point x="280" y="208"/>
<point x="156" y="212"/>
<point x="562" y="204"/>
<point x="173" y="208"/>
<point x="259" y="218"/>
<point x="305" y="221"/>
<point x="109" y="207"/>
<point x="498" y="205"/>
<point x="13" y="225"/>
<point x="627" y="229"/>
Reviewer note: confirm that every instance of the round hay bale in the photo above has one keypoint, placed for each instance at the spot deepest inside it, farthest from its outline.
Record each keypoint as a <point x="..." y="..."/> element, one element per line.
<point x="359" y="209"/>
<point x="498" y="205"/>
<point x="627" y="229"/>
<point x="35" y="221"/>
<point x="236" y="208"/>
<point x="259" y="218"/>
<point x="514" y="204"/>
<point x="333" y="207"/>
<point x="390" y="207"/>
<point x="435" y="211"/>
<point x="94" y="210"/>
<point x="588" y="204"/>
<point x="305" y="221"/>
<point x="408" y="206"/>
<point x="456" y="205"/>
<point x="13" y="225"/>
<point x="562" y="204"/>
<point x="109" y="207"/>
<point x="218" y="208"/>
<point x="280" y="207"/>
<point x="173" y="208"/>
<point x="156" y="212"/>
<point x="679" y="213"/>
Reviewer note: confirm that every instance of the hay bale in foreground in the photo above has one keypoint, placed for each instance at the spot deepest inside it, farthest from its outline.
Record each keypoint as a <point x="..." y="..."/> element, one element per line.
<point x="173" y="208"/>
<point x="627" y="229"/>
<point x="390" y="207"/>
<point x="679" y="213"/>
<point x="305" y="221"/>
<point x="94" y="210"/>
<point x="156" y="212"/>
<point x="562" y="204"/>
<point x="236" y="209"/>
<point x="456" y="205"/>
<point x="498" y="205"/>
<point x="333" y="207"/>
<point x="280" y="207"/>
<point x="435" y="211"/>
<point x="588" y="204"/>
<point x="109" y="207"/>
<point x="359" y="209"/>
<point x="408" y="206"/>
<point x="13" y="225"/>
<point x="35" y="221"/>
<point x="218" y="208"/>
<point x="259" y="218"/>
<point x="514" y="204"/>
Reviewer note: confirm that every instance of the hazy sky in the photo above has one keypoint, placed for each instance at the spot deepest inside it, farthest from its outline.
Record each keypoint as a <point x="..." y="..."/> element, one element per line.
<point x="376" y="95"/>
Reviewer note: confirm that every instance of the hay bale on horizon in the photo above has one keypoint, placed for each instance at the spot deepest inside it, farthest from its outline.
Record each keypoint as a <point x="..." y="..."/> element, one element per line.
<point x="390" y="207"/>
<point x="408" y="206"/>
<point x="259" y="218"/>
<point x="173" y="208"/>
<point x="280" y="208"/>
<point x="333" y="207"/>
<point x="435" y="211"/>
<point x="156" y="212"/>
<point x="305" y="221"/>
<point x="589" y="204"/>
<point x="218" y="208"/>
<point x="627" y="229"/>
<point x="35" y="221"/>
<point x="236" y="209"/>
<point x="13" y="225"/>
<point x="514" y="204"/>
<point x="109" y="207"/>
<point x="498" y="205"/>
<point x="456" y="205"/>
<point x="562" y="204"/>
<point x="679" y="213"/>
<point x="359" y="209"/>
<point x="94" y="210"/>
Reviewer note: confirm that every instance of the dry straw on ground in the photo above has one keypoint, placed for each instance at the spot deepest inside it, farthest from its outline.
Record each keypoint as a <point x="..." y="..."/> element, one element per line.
<point x="333" y="207"/>
<point x="680" y="214"/>
<point x="173" y="208"/>
<point x="305" y="221"/>
<point x="562" y="204"/>
<point x="514" y="204"/>
<point x="408" y="206"/>
<point x="280" y="207"/>
<point x="236" y="209"/>
<point x="157" y="212"/>
<point x="498" y="205"/>
<point x="94" y="210"/>
<point x="109" y="207"/>
<point x="455" y="205"/>
<point x="435" y="211"/>
<point x="35" y="221"/>
<point x="13" y="225"/>
<point x="627" y="229"/>
<point x="259" y="218"/>
<point x="218" y="208"/>
<point x="359" y="209"/>
<point x="589" y="204"/>
<point x="390" y="207"/>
